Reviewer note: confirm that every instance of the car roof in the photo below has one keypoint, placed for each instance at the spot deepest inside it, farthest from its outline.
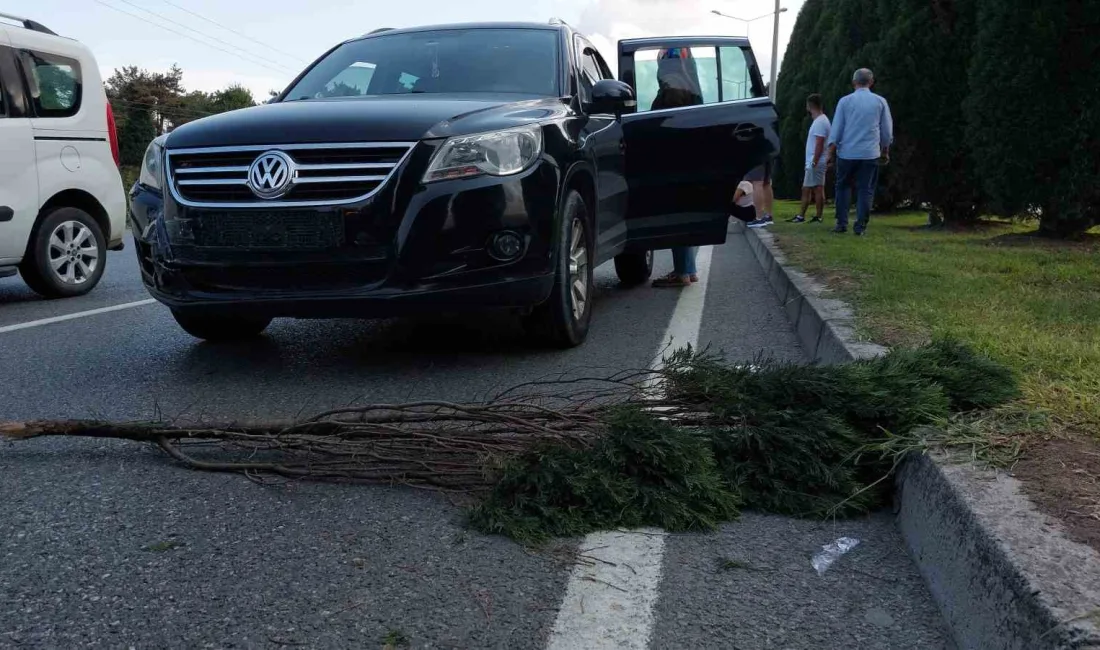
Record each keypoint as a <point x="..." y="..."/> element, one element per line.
<point x="489" y="25"/>
<point x="21" y="37"/>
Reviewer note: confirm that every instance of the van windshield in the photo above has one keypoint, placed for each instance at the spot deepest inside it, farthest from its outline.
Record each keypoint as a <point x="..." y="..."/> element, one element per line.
<point x="519" y="61"/>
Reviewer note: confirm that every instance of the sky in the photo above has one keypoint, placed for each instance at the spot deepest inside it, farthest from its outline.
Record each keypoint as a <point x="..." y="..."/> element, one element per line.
<point x="263" y="44"/>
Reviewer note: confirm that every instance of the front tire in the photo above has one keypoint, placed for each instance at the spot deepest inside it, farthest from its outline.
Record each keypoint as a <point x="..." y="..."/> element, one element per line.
<point x="66" y="255"/>
<point x="219" y="327"/>
<point x="562" y="321"/>
<point x="634" y="268"/>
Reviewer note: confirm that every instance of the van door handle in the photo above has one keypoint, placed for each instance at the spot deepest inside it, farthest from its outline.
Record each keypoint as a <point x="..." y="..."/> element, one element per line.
<point x="6" y="213"/>
<point x="747" y="132"/>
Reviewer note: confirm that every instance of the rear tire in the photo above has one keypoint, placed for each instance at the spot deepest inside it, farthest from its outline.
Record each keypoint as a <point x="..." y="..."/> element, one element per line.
<point x="66" y="254"/>
<point x="634" y="268"/>
<point x="562" y="321"/>
<point x="220" y="327"/>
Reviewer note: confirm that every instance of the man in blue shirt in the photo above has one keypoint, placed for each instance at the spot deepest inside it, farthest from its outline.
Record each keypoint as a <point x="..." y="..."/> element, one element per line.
<point x="862" y="133"/>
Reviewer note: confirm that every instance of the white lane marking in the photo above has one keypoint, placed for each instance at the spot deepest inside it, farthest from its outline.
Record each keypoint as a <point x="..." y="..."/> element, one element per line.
<point x="609" y="606"/>
<point x="80" y="314"/>
<point x="609" y="600"/>
<point x="687" y="318"/>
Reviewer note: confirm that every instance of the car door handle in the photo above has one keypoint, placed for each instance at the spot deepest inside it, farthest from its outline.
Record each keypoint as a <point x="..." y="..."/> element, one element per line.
<point x="747" y="132"/>
<point x="6" y="213"/>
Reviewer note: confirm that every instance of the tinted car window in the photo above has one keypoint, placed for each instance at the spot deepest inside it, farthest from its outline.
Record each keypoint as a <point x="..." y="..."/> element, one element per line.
<point x="590" y="70"/>
<point x="54" y="82"/>
<point x="522" y="61"/>
<point x="736" y="78"/>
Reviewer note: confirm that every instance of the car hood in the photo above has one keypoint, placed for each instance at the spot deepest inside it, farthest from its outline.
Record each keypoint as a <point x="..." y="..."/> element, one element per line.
<point x="387" y="118"/>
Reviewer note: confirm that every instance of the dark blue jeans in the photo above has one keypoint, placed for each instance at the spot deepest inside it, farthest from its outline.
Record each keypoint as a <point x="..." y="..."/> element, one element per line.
<point x="864" y="173"/>
<point x="683" y="260"/>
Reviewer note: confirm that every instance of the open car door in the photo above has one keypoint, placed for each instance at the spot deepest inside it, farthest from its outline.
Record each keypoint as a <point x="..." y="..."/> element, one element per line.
<point x="703" y="121"/>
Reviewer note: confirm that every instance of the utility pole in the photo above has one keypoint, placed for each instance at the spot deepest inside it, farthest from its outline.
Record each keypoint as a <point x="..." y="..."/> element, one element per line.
<point x="775" y="53"/>
<point x="775" y="40"/>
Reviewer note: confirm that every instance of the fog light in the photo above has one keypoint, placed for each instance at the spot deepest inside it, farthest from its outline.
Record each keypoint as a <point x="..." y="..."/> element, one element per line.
<point x="505" y="246"/>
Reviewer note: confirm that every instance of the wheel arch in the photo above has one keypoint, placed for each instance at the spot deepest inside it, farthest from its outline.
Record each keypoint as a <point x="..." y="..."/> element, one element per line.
<point x="82" y="200"/>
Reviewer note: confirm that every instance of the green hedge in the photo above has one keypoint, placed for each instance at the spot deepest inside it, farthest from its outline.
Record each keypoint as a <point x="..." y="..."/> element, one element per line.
<point x="994" y="101"/>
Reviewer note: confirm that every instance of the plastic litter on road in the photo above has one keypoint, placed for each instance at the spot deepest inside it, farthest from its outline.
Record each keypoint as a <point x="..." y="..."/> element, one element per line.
<point x="831" y="552"/>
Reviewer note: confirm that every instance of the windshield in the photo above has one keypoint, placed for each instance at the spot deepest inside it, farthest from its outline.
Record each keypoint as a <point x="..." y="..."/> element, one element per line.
<point x="522" y="61"/>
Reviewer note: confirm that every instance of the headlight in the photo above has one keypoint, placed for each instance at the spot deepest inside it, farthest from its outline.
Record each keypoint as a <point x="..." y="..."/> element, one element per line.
<point x="498" y="153"/>
<point x="151" y="164"/>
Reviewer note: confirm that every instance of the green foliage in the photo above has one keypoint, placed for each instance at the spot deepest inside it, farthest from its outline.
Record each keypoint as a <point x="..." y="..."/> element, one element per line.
<point x="1034" y="123"/>
<point x="868" y="396"/>
<point x="793" y="462"/>
<point x="197" y="104"/>
<point x="781" y="438"/>
<point x="970" y="381"/>
<point x="641" y="472"/>
<point x="148" y="104"/>
<point x="995" y="102"/>
<point x="135" y="136"/>
<point x="1028" y="303"/>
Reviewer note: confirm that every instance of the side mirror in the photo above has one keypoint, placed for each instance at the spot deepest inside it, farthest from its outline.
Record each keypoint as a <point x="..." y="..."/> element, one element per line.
<point x="611" y="96"/>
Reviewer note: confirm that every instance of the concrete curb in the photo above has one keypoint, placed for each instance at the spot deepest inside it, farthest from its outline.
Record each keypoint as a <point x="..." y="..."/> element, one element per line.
<point x="1002" y="573"/>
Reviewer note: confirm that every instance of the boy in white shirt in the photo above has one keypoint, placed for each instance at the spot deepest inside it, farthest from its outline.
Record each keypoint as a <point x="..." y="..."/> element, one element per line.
<point x="813" y="182"/>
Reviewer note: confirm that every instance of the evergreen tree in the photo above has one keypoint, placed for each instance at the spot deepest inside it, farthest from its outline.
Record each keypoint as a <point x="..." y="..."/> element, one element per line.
<point x="922" y="73"/>
<point x="1034" y="126"/>
<point x="797" y="80"/>
<point x="136" y="134"/>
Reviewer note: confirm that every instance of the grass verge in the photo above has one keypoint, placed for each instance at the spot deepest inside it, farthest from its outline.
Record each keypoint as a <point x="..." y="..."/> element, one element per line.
<point x="1030" y="303"/>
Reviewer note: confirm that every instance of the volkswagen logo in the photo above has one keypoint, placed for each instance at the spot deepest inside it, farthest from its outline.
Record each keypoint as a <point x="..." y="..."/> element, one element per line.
<point x="271" y="175"/>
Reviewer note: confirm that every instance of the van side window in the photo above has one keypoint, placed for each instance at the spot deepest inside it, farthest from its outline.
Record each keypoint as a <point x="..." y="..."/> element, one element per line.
<point x="54" y="82"/>
<point x="4" y="52"/>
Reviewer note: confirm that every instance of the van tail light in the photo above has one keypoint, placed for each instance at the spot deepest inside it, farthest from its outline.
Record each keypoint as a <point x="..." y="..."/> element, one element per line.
<point x="112" y="133"/>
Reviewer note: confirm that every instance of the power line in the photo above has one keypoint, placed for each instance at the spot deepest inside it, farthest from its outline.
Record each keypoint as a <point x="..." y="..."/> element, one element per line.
<point x="146" y="20"/>
<point x="233" y="31"/>
<point x="204" y="35"/>
<point x="164" y="109"/>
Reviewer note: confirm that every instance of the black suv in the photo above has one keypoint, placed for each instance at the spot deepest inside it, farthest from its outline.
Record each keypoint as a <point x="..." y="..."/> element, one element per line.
<point x="454" y="167"/>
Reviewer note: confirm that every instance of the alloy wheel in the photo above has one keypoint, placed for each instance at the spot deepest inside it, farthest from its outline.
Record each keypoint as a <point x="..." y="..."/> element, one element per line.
<point x="73" y="253"/>
<point x="578" y="269"/>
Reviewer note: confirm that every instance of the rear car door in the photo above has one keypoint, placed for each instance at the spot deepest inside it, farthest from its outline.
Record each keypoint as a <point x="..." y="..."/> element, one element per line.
<point x="702" y="122"/>
<point x="18" y="172"/>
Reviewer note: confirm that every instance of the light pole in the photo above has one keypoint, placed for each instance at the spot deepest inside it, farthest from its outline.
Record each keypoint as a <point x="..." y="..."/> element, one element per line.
<point x="775" y="40"/>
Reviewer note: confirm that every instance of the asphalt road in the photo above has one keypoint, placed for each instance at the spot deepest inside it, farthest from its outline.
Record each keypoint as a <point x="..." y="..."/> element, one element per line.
<point x="108" y="544"/>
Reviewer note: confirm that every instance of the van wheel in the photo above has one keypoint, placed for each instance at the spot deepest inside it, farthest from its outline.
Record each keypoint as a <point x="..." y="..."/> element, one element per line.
<point x="216" y="327"/>
<point x="66" y="254"/>
<point x="634" y="268"/>
<point x="562" y="321"/>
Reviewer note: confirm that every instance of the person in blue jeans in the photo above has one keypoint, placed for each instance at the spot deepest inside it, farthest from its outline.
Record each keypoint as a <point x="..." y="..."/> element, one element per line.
<point x="678" y="85"/>
<point x="862" y="133"/>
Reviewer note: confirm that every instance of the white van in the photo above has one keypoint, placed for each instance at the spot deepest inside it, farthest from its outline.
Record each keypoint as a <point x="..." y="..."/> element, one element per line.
<point x="62" y="204"/>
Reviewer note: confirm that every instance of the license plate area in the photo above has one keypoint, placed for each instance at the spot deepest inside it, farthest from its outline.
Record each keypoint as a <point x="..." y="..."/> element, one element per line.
<point x="301" y="230"/>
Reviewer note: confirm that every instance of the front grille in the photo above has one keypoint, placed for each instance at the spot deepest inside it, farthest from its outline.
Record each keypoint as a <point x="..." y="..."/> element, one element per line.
<point x="324" y="174"/>
<point x="283" y="230"/>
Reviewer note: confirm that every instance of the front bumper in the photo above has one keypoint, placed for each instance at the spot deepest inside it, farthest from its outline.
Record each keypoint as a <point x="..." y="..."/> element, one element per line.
<point x="409" y="248"/>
